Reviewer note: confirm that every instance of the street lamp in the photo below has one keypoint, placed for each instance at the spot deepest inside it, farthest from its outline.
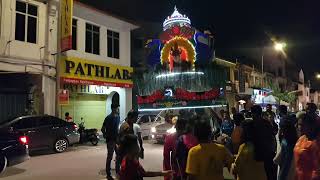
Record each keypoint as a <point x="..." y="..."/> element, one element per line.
<point x="318" y="76"/>
<point x="279" y="46"/>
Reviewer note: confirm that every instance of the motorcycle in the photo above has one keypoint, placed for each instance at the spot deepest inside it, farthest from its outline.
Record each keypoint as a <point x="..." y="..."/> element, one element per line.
<point x="87" y="135"/>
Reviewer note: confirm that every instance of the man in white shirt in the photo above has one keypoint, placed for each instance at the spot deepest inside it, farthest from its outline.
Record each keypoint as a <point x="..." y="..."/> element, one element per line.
<point x="137" y="132"/>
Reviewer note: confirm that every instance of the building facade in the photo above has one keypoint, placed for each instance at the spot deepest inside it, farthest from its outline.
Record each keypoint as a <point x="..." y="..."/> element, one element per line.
<point x="247" y="85"/>
<point x="303" y="92"/>
<point x="27" y="57"/>
<point x="96" y="72"/>
<point x="93" y="75"/>
<point x="315" y="97"/>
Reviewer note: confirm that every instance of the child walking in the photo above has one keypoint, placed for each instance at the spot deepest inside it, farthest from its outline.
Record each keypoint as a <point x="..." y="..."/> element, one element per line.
<point x="131" y="169"/>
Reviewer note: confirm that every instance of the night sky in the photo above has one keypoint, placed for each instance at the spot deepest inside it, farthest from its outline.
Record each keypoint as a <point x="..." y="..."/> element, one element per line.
<point x="240" y="27"/>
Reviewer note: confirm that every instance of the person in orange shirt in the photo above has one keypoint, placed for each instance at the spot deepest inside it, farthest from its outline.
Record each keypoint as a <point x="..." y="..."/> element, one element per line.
<point x="307" y="149"/>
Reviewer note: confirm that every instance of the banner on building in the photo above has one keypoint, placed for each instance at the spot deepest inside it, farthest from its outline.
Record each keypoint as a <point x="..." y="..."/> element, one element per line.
<point x="63" y="97"/>
<point x="86" y="72"/>
<point x="66" y="24"/>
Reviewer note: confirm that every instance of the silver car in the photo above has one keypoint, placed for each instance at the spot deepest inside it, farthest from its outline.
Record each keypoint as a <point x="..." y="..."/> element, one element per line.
<point x="146" y="122"/>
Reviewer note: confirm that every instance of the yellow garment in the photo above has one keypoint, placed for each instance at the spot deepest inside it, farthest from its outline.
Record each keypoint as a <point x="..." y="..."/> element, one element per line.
<point x="236" y="138"/>
<point x="246" y="167"/>
<point x="206" y="161"/>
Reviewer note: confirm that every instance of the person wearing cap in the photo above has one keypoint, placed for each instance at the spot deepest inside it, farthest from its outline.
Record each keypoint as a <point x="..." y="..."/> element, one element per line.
<point x="110" y="133"/>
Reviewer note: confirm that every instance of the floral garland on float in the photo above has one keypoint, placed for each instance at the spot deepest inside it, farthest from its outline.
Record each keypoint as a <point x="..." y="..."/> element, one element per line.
<point x="178" y="51"/>
<point x="180" y="94"/>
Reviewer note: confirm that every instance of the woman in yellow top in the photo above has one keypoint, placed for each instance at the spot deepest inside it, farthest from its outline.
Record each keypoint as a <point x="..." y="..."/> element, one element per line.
<point x="245" y="166"/>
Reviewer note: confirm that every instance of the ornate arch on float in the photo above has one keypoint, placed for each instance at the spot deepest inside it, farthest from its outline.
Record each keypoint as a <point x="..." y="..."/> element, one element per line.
<point x="182" y="43"/>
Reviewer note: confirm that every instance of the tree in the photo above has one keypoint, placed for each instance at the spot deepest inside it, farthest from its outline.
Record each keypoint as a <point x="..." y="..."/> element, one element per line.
<point x="276" y="92"/>
<point x="282" y="96"/>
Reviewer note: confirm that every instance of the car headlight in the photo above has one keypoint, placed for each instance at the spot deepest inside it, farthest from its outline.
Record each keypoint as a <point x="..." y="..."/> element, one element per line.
<point x="153" y="130"/>
<point x="171" y="130"/>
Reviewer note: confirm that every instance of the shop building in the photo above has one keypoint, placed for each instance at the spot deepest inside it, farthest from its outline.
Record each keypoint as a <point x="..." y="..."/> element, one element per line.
<point x="27" y="57"/>
<point x="315" y="97"/>
<point x="96" y="72"/>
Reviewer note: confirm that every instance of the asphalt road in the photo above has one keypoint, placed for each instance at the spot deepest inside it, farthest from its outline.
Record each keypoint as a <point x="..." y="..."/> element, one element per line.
<point x="78" y="163"/>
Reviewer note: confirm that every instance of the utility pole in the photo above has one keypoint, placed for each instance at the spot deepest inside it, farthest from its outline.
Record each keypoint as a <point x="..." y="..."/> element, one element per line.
<point x="262" y="63"/>
<point x="58" y="58"/>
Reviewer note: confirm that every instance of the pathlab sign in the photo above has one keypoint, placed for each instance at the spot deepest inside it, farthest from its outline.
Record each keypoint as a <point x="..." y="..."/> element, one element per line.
<point x="86" y="72"/>
<point x="66" y="8"/>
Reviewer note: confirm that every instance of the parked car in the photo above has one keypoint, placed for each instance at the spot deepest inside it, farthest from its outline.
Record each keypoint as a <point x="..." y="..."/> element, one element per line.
<point x="13" y="150"/>
<point x="44" y="132"/>
<point x="146" y="122"/>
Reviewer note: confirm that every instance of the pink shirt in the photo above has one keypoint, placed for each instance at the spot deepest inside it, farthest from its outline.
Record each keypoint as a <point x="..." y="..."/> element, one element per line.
<point x="170" y="147"/>
<point x="190" y="140"/>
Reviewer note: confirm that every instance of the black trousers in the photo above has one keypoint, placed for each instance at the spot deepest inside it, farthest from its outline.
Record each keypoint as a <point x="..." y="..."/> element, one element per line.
<point x="111" y="147"/>
<point x="271" y="169"/>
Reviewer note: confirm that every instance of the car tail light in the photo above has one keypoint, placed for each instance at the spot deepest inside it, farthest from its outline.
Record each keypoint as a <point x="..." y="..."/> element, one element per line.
<point x="23" y="140"/>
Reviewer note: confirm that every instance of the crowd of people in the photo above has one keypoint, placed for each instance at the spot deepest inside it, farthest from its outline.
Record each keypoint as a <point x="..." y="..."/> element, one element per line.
<point x="246" y="143"/>
<point x="125" y="140"/>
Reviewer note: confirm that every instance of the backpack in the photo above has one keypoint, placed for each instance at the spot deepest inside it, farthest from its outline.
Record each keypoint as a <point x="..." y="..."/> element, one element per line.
<point x="180" y="156"/>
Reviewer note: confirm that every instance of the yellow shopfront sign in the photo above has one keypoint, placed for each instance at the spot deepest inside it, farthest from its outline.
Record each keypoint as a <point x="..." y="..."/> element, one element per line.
<point x="87" y="72"/>
<point x="66" y="24"/>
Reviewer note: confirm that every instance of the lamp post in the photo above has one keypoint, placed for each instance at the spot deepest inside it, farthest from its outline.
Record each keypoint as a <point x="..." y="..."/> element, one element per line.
<point x="262" y="63"/>
<point x="279" y="47"/>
